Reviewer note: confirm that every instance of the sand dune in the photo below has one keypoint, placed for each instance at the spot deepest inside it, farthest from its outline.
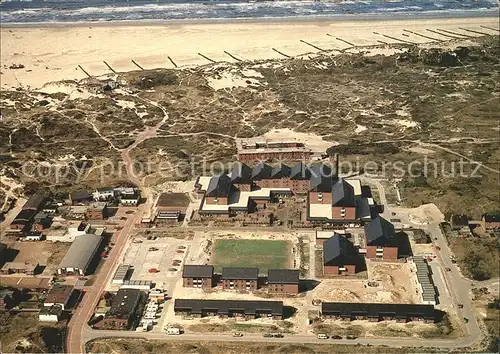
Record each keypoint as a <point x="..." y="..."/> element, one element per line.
<point x="54" y="53"/>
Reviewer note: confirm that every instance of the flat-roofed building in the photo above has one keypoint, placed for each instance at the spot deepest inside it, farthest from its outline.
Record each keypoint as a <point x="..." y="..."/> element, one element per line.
<point x="229" y="308"/>
<point x="283" y="281"/>
<point x="197" y="276"/>
<point x="170" y="204"/>
<point x="19" y="267"/>
<point x="121" y="274"/>
<point x="238" y="278"/>
<point x="96" y="211"/>
<point x="79" y="255"/>
<point x="260" y="149"/>
<point x="123" y="309"/>
<point x="50" y="314"/>
<point x="58" y="295"/>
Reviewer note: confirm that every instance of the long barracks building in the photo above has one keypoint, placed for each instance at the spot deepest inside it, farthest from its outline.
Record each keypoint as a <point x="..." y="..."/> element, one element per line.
<point x="378" y="312"/>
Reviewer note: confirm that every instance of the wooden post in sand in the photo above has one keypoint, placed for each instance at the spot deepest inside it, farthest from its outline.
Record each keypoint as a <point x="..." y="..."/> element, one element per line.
<point x="312" y="45"/>
<point x="203" y="56"/>
<point x="456" y="34"/>
<point x="173" y="62"/>
<point x="422" y="35"/>
<point x="474" y="31"/>
<point x="277" y="51"/>
<point x="394" y="38"/>
<point x="340" y="39"/>
<point x="82" y="69"/>
<point x="491" y="28"/>
<point x="443" y="34"/>
<point x="140" y="67"/>
<point x="232" y="56"/>
<point x="110" y="68"/>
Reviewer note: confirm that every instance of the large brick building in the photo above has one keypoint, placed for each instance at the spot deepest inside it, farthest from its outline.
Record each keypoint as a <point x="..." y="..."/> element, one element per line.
<point x="246" y="190"/>
<point x="240" y="278"/>
<point x="339" y="256"/>
<point x="380" y="239"/>
<point x="266" y="150"/>
<point x="229" y="308"/>
<point x="197" y="276"/>
<point x="283" y="281"/>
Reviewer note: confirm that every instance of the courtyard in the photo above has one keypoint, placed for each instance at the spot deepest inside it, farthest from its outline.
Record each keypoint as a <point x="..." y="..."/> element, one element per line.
<point x="262" y="254"/>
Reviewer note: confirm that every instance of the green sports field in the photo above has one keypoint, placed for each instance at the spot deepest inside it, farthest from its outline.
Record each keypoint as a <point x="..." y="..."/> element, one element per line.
<point x="263" y="254"/>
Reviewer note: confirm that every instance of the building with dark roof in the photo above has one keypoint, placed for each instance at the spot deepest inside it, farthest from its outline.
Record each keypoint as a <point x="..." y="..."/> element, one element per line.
<point x="236" y="278"/>
<point x="261" y="171"/>
<point x="58" y="295"/>
<point x="229" y="308"/>
<point x="380" y="239"/>
<point x="22" y="222"/>
<point x="3" y="252"/>
<point x="460" y="223"/>
<point x="197" y="276"/>
<point x="241" y="177"/>
<point x="491" y="221"/>
<point x="339" y="256"/>
<point x="35" y="202"/>
<point x="80" y="197"/>
<point x="218" y="190"/>
<point x="378" y="312"/>
<point x="123" y="309"/>
<point x="283" y="281"/>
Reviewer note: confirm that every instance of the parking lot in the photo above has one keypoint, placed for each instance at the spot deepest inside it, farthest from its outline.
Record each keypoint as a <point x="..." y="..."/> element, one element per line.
<point x="153" y="259"/>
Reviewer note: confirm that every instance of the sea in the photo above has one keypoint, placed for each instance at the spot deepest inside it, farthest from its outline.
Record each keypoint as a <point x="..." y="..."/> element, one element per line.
<point x="65" y="11"/>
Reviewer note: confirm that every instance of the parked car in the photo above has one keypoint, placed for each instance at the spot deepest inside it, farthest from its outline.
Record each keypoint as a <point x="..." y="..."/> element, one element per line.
<point x="336" y="337"/>
<point x="267" y="335"/>
<point x="180" y="251"/>
<point x="351" y="336"/>
<point x="278" y="335"/>
<point x="237" y="334"/>
<point x="182" y="247"/>
<point x="447" y="269"/>
<point x="460" y="306"/>
<point x="152" y="249"/>
<point x="153" y="270"/>
<point x="322" y="336"/>
<point x="172" y="269"/>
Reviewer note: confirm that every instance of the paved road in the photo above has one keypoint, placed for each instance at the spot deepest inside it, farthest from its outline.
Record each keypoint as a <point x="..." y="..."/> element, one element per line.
<point x="76" y="340"/>
<point x="393" y="342"/>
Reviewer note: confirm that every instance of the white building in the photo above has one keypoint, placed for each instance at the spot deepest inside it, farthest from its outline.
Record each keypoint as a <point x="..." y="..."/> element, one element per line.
<point x="50" y="314"/>
<point x="103" y="193"/>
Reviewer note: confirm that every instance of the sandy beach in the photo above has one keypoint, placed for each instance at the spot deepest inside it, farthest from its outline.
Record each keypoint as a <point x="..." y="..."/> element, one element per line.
<point x="53" y="53"/>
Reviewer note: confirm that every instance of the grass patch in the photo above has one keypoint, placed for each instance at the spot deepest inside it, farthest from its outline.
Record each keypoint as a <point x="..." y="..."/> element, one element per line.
<point x="478" y="258"/>
<point x="264" y="254"/>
